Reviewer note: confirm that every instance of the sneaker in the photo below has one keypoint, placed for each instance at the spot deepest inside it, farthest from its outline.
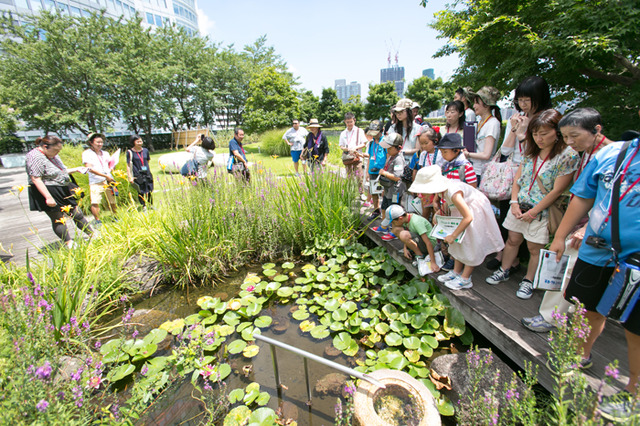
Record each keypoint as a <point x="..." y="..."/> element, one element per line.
<point x="498" y="276"/>
<point x="388" y="236"/>
<point x="525" y="291"/>
<point x="537" y="324"/>
<point x="493" y="264"/>
<point x="449" y="264"/>
<point x="380" y="229"/>
<point x="96" y="223"/>
<point x="459" y="283"/>
<point x="367" y="204"/>
<point x="373" y="215"/>
<point x="620" y="407"/>
<point x="448" y="276"/>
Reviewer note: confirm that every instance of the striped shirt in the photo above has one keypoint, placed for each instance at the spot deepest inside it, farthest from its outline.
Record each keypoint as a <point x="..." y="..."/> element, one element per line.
<point x="469" y="173"/>
<point x="51" y="171"/>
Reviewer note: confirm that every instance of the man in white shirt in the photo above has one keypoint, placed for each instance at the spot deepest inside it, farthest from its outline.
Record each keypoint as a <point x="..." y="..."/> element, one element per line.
<point x="351" y="142"/>
<point x="296" y="137"/>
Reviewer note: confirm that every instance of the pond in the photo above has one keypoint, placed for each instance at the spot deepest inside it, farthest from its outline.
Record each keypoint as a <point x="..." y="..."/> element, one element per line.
<point x="359" y="308"/>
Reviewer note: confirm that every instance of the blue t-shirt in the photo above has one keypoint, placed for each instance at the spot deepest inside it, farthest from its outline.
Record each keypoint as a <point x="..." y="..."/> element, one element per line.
<point x="377" y="157"/>
<point x="596" y="181"/>
<point x="235" y="146"/>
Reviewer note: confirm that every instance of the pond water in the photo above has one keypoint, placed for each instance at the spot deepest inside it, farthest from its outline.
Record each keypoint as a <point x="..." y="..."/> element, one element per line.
<point x="178" y="407"/>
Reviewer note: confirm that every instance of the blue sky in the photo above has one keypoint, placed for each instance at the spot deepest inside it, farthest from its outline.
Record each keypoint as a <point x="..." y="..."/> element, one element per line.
<point x="327" y="40"/>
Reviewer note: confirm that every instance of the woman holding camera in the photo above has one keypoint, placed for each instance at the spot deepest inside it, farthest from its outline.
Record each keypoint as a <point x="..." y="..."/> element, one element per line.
<point x="545" y="172"/>
<point x="201" y="154"/>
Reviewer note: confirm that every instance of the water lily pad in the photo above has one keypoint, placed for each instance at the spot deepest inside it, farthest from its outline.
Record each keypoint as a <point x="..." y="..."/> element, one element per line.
<point x="308" y="267"/>
<point x="336" y="326"/>
<point x="252" y="309"/>
<point x="234" y="304"/>
<point x="398" y="326"/>
<point x="174" y="327"/>
<point x="288" y="265"/>
<point x="342" y="341"/>
<point x="263" y="321"/>
<point x="263" y="398"/>
<point x="307" y="325"/>
<point x="418" y="320"/>
<point x="238" y="416"/>
<point x="445" y="407"/>
<point x="280" y="278"/>
<point x="225" y="330"/>
<point x="269" y="272"/>
<point x="247" y="333"/>
<point x="264" y="416"/>
<point x="250" y="351"/>
<point x="425" y="350"/>
<point x="339" y="315"/>
<point x="120" y="372"/>
<point x="430" y="340"/>
<point x="323" y="268"/>
<point x="243" y="325"/>
<point x="237" y="346"/>
<point x="272" y="286"/>
<point x="349" y="306"/>
<point x="390" y="311"/>
<point x="393" y="339"/>
<point x="300" y="314"/>
<point x="411" y="342"/>
<point x="454" y="322"/>
<point x="411" y="355"/>
<point x="268" y="266"/>
<point x="382" y="328"/>
<point x="231" y="318"/>
<point x="236" y="395"/>
<point x="144" y="352"/>
<point x="319" y="332"/>
<point x="285" y="292"/>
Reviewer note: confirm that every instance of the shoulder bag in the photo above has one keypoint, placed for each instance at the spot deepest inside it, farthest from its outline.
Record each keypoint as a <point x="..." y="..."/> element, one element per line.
<point x="497" y="178"/>
<point x="349" y="158"/>
<point x="556" y="210"/>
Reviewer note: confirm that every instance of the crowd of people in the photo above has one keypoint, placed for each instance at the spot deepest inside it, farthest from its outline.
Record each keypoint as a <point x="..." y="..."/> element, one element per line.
<point x="419" y="177"/>
<point x="564" y="170"/>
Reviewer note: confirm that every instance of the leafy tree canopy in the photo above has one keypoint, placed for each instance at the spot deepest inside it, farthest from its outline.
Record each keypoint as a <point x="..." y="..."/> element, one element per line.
<point x="355" y="106"/>
<point x="427" y="92"/>
<point x="586" y="50"/>
<point x="330" y="107"/>
<point x="272" y="102"/>
<point x="309" y="104"/>
<point x="380" y="98"/>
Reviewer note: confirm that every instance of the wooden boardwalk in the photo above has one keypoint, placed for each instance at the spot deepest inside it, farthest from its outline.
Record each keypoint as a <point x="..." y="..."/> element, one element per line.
<point x="495" y="312"/>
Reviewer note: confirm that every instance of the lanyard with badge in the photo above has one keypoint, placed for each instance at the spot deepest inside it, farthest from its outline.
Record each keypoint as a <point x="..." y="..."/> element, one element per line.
<point x="141" y="157"/>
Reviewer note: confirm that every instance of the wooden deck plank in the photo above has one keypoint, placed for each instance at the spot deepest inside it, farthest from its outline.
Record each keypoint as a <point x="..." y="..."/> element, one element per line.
<point x="495" y="312"/>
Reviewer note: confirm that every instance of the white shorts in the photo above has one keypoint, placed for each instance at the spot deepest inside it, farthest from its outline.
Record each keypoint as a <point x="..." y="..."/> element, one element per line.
<point x="97" y="190"/>
<point x="536" y="231"/>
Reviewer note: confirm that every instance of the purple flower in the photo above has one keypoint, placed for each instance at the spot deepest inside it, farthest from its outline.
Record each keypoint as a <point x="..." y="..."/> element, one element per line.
<point x="65" y="329"/>
<point x="77" y="375"/>
<point x="30" y="276"/>
<point x="611" y="371"/>
<point x="42" y="405"/>
<point x="44" y="372"/>
<point x="350" y="389"/>
<point x="44" y="305"/>
<point x="60" y="396"/>
<point x="127" y="316"/>
<point x="207" y="386"/>
<point x="512" y="394"/>
<point x="123" y="298"/>
<point x="73" y="321"/>
<point x="144" y="370"/>
<point x="85" y="325"/>
<point x="134" y="334"/>
<point x="97" y="345"/>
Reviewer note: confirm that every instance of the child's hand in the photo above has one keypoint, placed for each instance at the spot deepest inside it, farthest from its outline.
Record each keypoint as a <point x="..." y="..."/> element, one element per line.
<point x="406" y="252"/>
<point x="434" y="267"/>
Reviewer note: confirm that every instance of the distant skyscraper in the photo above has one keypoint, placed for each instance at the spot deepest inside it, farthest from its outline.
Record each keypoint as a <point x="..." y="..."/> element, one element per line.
<point x="429" y="73"/>
<point x="395" y="74"/>
<point x="345" y="91"/>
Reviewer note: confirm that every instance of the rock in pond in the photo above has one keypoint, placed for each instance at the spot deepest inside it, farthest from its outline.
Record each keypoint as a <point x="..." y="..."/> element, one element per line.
<point x="331" y="384"/>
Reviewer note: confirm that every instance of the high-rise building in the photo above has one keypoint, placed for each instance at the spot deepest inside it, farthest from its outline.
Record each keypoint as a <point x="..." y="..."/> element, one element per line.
<point x="345" y="91"/>
<point x="429" y="72"/>
<point x="395" y="74"/>
<point x="153" y="12"/>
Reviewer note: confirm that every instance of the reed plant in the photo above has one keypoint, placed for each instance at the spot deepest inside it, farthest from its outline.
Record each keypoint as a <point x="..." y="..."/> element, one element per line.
<point x="273" y="144"/>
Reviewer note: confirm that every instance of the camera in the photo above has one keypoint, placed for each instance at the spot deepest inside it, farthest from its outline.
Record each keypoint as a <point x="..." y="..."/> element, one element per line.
<point x="597" y="242"/>
<point x="525" y="207"/>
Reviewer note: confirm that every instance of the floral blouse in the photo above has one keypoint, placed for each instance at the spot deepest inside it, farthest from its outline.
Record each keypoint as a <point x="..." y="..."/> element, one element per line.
<point x="561" y="165"/>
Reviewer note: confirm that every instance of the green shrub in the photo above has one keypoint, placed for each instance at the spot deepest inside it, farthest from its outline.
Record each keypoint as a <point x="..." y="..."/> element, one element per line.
<point x="273" y="144"/>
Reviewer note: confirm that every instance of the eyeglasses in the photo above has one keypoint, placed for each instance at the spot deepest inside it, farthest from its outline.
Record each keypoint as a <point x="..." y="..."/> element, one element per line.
<point x="523" y="100"/>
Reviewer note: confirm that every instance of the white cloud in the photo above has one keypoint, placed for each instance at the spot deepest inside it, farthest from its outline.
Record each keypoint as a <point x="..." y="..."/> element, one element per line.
<point x="205" y="24"/>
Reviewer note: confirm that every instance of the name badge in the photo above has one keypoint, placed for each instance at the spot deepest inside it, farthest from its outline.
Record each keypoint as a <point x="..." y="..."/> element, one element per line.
<point x="144" y="168"/>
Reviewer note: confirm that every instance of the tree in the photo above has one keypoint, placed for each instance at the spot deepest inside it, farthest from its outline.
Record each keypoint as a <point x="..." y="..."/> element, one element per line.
<point x="380" y="99"/>
<point x="330" y="108"/>
<point x="355" y="106"/>
<point x="586" y="50"/>
<point x="309" y="105"/>
<point x="427" y="92"/>
<point x="272" y="102"/>
<point x="57" y="70"/>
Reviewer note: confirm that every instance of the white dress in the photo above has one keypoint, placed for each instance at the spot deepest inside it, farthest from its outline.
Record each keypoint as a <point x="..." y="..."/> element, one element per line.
<point x="482" y="236"/>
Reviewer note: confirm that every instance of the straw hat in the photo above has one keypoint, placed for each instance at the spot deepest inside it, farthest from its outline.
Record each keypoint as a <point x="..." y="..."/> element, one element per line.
<point x="314" y="123"/>
<point x="429" y="180"/>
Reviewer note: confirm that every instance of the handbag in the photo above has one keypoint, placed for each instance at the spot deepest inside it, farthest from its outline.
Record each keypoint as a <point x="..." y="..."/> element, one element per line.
<point x="497" y="178"/>
<point x="349" y="158"/>
<point x="556" y="210"/>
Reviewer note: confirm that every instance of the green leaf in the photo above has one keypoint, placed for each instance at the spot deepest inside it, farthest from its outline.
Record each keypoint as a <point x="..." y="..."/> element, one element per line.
<point x="454" y="322"/>
<point x="417" y="321"/>
<point x="247" y="333"/>
<point x="319" y="332"/>
<point x="382" y="328"/>
<point x="223" y="370"/>
<point x="350" y="307"/>
<point x="342" y="341"/>
<point x="120" y="372"/>
<point x="231" y="318"/>
<point x="393" y="339"/>
<point x="411" y="342"/>
<point x="237" y="346"/>
<point x="390" y="311"/>
<point x="307" y="325"/>
<point x="332" y="305"/>
<point x="263" y="398"/>
<point x="445" y="407"/>
<point x="280" y="278"/>
<point x="269" y="272"/>
<point x="262" y="417"/>
<point x="288" y="265"/>
<point x="263" y="321"/>
<point x="238" y="416"/>
<point x="155" y="336"/>
<point x="267" y="266"/>
<point x="236" y="395"/>
<point x="430" y="340"/>
<point x="145" y="352"/>
<point x="174" y="327"/>
<point x="300" y="314"/>
<point x="250" y="351"/>
<point x="285" y="292"/>
<point x="339" y="315"/>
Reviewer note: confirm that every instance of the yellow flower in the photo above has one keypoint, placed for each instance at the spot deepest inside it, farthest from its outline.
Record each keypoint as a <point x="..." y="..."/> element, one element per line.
<point x="259" y="161"/>
<point x="192" y="177"/>
<point x="119" y="174"/>
<point x="18" y="188"/>
<point x="105" y="186"/>
<point x="274" y="156"/>
<point x="316" y="156"/>
<point x="78" y="191"/>
<point x="66" y="208"/>
<point x="62" y="220"/>
<point x="260" y="171"/>
<point x="114" y="183"/>
<point x="163" y="166"/>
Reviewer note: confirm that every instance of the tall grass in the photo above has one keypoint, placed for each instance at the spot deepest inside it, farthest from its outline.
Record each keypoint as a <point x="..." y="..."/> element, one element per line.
<point x="273" y="144"/>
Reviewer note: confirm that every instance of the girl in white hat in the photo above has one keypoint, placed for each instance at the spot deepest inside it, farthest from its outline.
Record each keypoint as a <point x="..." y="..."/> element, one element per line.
<point x="482" y="235"/>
